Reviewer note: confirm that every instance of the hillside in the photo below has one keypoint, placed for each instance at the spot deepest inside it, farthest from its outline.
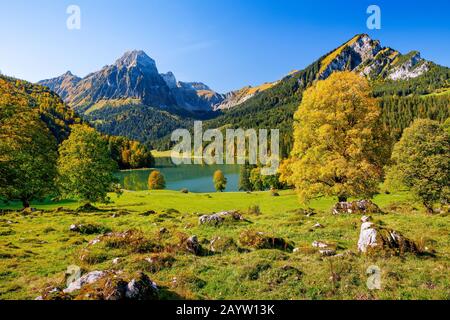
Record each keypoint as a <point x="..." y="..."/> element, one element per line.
<point x="52" y="110"/>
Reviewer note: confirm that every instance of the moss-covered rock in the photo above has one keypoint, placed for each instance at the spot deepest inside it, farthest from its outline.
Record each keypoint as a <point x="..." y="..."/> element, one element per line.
<point x="222" y="245"/>
<point x="374" y="239"/>
<point x="259" y="240"/>
<point x="88" y="229"/>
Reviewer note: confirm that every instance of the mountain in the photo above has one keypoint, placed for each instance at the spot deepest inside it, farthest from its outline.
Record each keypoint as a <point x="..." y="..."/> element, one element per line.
<point x="51" y="109"/>
<point x="134" y="76"/>
<point x="196" y="97"/>
<point x="63" y="85"/>
<point x="131" y="98"/>
<point x="407" y="85"/>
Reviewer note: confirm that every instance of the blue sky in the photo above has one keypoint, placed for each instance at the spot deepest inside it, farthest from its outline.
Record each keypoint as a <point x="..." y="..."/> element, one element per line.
<point x="225" y="43"/>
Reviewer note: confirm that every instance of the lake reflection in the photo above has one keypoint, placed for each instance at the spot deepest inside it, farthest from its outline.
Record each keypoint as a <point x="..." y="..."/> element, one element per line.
<point x="195" y="178"/>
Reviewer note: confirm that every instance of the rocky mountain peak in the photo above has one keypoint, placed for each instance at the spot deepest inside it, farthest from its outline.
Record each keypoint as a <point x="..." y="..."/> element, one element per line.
<point x="136" y="58"/>
<point x="170" y="79"/>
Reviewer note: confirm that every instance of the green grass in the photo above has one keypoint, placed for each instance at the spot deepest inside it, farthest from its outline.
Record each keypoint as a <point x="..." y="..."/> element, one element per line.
<point x="36" y="249"/>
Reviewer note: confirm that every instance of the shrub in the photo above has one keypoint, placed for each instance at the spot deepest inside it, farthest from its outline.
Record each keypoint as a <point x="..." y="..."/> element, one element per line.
<point x="255" y="210"/>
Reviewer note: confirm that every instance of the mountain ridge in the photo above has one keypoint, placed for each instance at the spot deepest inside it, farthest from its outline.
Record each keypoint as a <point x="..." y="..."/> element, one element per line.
<point x="270" y="105"/>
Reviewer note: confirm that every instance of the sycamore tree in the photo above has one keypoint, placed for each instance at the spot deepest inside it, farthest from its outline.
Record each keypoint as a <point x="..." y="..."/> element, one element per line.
<point x="85" y="167"/>
<point x="27" y="153"/>
<point x="156" y="181"/>
<point x="421" y="162"/>
<point x="339" y="145"/>
<point x="220" y="182"/>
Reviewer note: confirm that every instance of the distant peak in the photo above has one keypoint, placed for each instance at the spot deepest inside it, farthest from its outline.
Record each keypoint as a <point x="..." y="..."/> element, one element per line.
<point x="170" y="79"/>
<point x="134" y="58"/>
<point x="68" y="74"/>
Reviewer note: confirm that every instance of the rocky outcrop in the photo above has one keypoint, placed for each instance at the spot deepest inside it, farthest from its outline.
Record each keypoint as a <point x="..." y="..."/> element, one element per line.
<point x="374" y="238"/>
<point x="356" y="207"/>
<point x="89" y="278"/>
<point x="105" y="285"/>
<point x="349" y="56"/>
<point x="412" y="66"/>
<point x="220" y="217"/>
<point x="368" y="58"/>
<point x="237" y="97"/>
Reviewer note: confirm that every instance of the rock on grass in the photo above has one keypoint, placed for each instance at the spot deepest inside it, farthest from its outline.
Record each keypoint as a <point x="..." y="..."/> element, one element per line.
<point x="88" y="229"/>
<point x="105" y="285"/>
<point x="356" y="207"/>
<point x="259" y="240"/>
<point x="374" y="238"/>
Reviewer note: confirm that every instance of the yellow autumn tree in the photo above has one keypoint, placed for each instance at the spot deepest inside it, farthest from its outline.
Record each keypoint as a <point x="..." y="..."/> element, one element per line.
<point x="156" y="181"/>
<point x="339" y="145"/>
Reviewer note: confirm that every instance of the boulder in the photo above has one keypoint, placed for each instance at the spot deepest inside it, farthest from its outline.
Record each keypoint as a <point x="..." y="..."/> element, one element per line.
<point x="375" y="238"/>
<point x="88" y="229"/>
<point x="141" y="288"/>
<point x="193" y="246"/>
<point x="219" y="218"/>
<point x="213" y="219"/>
<point x="356" y="207"/>
<point x="89" y="278"/>
<point x="106" y="285"/>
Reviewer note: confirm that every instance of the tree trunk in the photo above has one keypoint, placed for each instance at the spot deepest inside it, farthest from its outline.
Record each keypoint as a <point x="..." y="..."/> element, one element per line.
<point x="342" y="198"/>
<point x="25" y="203"/>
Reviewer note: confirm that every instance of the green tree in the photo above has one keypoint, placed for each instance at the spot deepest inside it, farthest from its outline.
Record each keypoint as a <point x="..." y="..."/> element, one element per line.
<point x="339" y="145"/>
<point x="422" y="162"/>
<point x="27" y="154"/>
<point x="86" y="170"/>
<point x="156" y="181"/>
<point x="220" y="182"/>
<point x="244" y="178"/>
<point x="256" y="179"/>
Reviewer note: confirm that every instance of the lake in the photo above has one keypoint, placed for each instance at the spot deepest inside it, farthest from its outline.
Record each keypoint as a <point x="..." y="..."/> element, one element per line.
<point x="195" y="178"/>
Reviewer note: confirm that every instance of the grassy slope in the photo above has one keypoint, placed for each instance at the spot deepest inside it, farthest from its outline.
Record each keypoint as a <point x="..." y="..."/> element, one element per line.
<point x="35" y="251"/>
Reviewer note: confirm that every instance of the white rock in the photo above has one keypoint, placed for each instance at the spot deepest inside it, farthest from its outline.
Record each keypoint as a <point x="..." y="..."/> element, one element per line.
<point x="367" y="237"/>
<point x="89" y="278"/>
<point x="318" y="244"/>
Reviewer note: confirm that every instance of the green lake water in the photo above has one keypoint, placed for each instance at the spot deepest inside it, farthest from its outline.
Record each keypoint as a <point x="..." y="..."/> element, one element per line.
<point x="195" y="178"/>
